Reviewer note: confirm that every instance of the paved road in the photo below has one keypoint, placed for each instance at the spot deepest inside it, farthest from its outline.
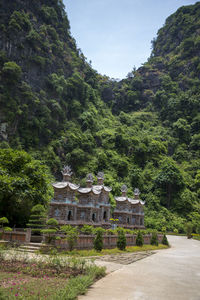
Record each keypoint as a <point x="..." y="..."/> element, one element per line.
<point x="172" y="274"/>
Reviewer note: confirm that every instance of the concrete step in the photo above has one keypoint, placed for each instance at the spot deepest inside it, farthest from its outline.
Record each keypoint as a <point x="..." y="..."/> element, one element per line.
<point x="31" y="247"/>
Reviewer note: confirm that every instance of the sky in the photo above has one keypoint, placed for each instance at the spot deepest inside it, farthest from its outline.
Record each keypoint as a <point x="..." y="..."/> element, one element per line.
<point x="116" y="35"/>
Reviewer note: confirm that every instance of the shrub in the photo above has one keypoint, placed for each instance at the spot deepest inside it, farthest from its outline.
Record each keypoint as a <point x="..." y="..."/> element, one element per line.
<point x="87" y="229"/>
<point x="189" y="228"/>
<point x="139" y="239"/>
<point x="198" y="229"/>
<point x="37" y="218"/>
<point x="165" y="240"/>
<point x="98" y="241"/>
<point x="121" y="240"/>
<point x="3" y="221"/>
<point x="71" y="235"/>
<point x="110" y="232"/>
<point x="50" y="233"/>
<point x="52" y="222"/>
<point x="154" y="239"/>
<point x="175" y="231"/>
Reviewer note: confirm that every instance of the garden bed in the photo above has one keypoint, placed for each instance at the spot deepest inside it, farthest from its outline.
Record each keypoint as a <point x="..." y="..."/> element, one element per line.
<point x="49" y="277"/>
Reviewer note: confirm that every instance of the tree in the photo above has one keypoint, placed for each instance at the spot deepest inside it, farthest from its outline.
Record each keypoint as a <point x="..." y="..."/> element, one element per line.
<point x="154" y="239"/>
<point x="139" y="239"/>
<point x="169" y="181"/>
<point x="3" y="221"/>
<point x="37" y="218"/>
<point x="71" y="235"/>
<point x="11" y="72"/>
<point x="165" y="240"/>
<point x="121" y="240"/>
<point x="24" y="182"/>
<point x="52" y="225"/>
<point x="98" y="241"/>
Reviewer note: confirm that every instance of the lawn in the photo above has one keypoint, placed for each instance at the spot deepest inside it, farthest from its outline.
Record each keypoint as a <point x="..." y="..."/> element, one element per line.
<point x="92" y="252"/>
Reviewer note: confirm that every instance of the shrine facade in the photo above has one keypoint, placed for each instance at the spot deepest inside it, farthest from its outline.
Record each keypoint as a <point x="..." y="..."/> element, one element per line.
<point x="90" y="205"/>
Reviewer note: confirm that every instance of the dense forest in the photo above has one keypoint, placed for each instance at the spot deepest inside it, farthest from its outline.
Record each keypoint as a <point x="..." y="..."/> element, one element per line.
<point x="55" y="109"/>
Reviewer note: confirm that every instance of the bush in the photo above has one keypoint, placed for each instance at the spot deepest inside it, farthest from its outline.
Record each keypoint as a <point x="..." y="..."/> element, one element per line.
<point x="98" y="241"/>
<point x="154" y="239"/>
<point x="175" y="231"/>
<point x="121" y="240"/>
<point x="3" y="221"/>
<point x="87" y="229"/>
<point x="189" y="228"/>
<point x="52" y="222"/>
<point x="139" y="239"/>
<point x="198" y="229"/>
<point x="165" y="240"/>
<point x="71" y="235"/>
<point x="37" y="218"/>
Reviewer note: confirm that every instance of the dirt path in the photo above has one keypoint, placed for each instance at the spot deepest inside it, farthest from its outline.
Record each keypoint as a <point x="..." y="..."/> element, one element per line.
<point x="172" y="274"/>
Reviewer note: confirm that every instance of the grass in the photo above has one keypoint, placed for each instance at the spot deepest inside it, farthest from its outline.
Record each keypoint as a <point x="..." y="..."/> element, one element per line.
<point x="196" y="236"/>
<point x="92" y="252"/>
<point x="51" y="277"/>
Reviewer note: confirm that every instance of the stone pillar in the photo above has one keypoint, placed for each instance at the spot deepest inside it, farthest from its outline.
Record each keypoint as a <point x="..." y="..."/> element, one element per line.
<point x="28" y="235"/>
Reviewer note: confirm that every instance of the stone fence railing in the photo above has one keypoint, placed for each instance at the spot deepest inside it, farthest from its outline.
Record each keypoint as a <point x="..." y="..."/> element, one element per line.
<point x="109" y="241"/>
<point x="19" y="237"/>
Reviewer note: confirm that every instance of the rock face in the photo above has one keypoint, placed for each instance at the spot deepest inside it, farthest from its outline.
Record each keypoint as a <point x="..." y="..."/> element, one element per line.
<point x="46" y="79"/>
<point x="36" y="36"/>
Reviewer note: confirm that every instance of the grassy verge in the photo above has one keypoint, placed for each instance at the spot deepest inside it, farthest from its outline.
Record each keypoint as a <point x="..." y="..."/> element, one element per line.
<point x="52" y="277"/>
<point x="92" y="252"/>
<point x="196" y="236"/>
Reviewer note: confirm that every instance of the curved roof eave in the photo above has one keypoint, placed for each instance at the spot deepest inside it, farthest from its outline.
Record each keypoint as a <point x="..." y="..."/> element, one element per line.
<point x="62" y="185"/>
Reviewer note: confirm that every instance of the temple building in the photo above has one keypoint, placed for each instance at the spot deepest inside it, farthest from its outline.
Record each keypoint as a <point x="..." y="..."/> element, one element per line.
<point x="129" y="212"/>
<point x="78" y="206"/>
<point x="90" y="205"/>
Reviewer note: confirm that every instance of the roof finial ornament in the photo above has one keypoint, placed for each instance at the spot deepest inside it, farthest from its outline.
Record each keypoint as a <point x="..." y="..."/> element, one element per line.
<point x="67" y="173"/>
<point x="124" y="188"/>
<point x="100" y="175"/>
<point x="89" y="180"/>
<point x="136" y="192"/>
<point x="100" y="178"/>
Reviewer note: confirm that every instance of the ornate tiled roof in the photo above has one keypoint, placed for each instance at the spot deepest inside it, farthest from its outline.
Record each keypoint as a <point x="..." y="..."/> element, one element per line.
<point x="64" y="184"/>
<point x="102" y="187"/>
<point x="88" y="190"/>
<point x="132" y="201"/>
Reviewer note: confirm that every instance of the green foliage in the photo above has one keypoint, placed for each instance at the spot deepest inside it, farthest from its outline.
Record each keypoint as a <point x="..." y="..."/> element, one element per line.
<point x="121" y="240"/>
<point x="50" y="232"/>
<point x="52" y="222"/>
<point x="37" y="218"/>
<point x="71" y="235"/>
<point x="98" y="241"/>
<point x="189" y="229"/>
<point x="139" y="239"/>
<point x="87" y="229"/>
<point x="165" y="240"/>
<point x="3" y="221"/>
<point x="154" y="239"/>
<point x="11" y="72"/>
<point x="24" y="182"/>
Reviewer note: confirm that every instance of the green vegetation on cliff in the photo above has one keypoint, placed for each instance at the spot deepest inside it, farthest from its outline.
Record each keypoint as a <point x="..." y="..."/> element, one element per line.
<point x="142" y="131"/>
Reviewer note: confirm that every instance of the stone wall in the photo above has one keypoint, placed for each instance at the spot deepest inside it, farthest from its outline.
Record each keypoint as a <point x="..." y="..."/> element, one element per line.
<point x="19" y="237"/>
<point x="109" y="241"/>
